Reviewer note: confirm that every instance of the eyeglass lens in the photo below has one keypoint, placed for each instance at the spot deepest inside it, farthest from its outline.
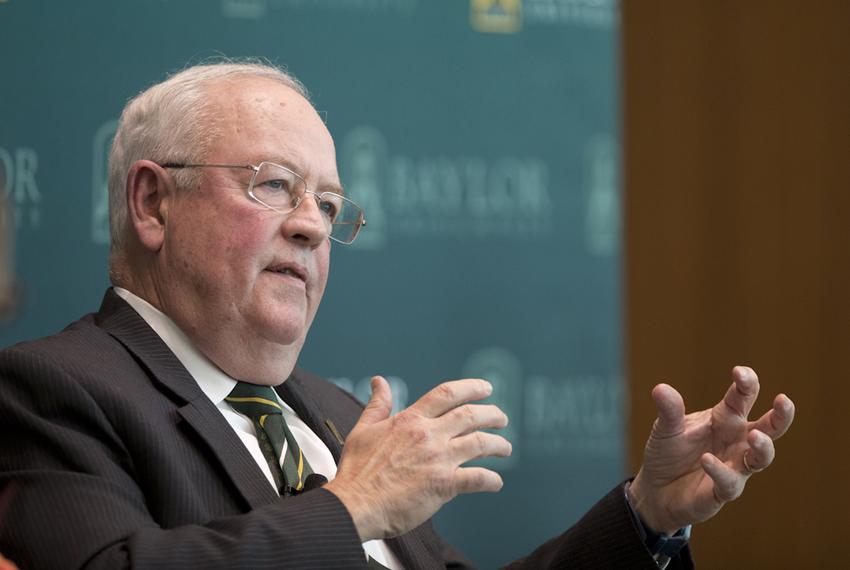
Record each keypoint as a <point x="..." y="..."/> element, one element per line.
<point x="283" y="190"/>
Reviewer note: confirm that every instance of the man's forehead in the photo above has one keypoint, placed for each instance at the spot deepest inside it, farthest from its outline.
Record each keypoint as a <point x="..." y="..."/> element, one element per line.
<point x="271" y="122"/>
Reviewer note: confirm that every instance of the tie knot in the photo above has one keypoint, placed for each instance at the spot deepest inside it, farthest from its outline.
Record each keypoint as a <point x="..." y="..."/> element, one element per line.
<point x="253" y="400"/>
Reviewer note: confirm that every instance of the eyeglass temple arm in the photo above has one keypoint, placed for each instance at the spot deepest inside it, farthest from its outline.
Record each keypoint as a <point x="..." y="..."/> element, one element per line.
<point x="187" y="165"/>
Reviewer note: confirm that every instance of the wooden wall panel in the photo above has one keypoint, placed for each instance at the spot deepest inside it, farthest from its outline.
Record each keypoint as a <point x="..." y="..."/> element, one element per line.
<point x="737" y="173"/>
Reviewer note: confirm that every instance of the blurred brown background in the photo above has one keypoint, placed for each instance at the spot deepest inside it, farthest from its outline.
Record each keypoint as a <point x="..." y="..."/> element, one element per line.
<point x="737" y="133"/>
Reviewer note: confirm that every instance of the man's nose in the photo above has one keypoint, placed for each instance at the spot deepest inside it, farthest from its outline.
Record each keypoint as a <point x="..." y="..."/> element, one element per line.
<point x="306" y="223"/>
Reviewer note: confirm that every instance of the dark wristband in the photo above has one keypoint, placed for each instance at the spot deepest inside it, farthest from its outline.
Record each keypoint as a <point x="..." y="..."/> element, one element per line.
<point x="670" y="546"/>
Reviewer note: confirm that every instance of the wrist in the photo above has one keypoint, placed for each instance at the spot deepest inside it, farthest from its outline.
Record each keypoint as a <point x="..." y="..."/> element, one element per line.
<point x="648" y="507"/>
<point x="362" y="515"/>
<point x="663" y="546"/>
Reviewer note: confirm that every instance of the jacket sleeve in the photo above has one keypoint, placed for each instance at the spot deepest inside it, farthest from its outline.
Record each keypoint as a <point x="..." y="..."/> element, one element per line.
<point x="607" y="536"/>
<point x="69" y="497"/>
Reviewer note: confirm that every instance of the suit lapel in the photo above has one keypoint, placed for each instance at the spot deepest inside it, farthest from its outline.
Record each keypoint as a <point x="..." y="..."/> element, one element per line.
<point x="310" y="410"/>
<point x="230" y="452"/>
<point x="122" y="322"/>
<point x="316" y="412"/>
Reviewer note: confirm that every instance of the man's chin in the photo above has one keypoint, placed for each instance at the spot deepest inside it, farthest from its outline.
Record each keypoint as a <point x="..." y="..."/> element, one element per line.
<point x="268" y="363"/>
<point x="283" y="335"/>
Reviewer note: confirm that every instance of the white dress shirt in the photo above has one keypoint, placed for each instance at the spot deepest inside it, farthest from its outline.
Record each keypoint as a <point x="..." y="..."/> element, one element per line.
<point x="217" y="385"/>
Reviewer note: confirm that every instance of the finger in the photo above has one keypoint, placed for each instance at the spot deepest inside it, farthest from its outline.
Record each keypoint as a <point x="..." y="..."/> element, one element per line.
<point x="471" y="417"/>
<point x="776" y="421"/>
<point x="743" y="392"/>
<point x="380" y="404"/>
<point x="477" y="445"/>
<point x="728" y="483"/>
<point x="671" y="411"/>
<point x="450" y="395"/>
<point x="477" y="480"/>
<point x="760" y="454"/>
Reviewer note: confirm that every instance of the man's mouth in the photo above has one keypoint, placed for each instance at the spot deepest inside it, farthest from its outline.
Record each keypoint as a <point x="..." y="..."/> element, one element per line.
<point x="290" y="269"/>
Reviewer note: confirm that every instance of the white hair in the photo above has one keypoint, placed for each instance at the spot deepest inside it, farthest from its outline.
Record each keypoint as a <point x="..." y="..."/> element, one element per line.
<point x="172" y="121"/>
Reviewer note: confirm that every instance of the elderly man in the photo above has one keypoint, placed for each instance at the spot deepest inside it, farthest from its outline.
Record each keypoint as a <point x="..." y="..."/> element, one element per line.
<point x="172" y="429"/>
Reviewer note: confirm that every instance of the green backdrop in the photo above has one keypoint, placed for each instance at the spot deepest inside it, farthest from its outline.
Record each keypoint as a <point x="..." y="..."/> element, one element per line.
<point x="481" y="137"/>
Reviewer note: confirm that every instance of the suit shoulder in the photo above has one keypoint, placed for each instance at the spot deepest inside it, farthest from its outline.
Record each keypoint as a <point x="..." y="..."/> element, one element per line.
<point x="81" y="357"/>
<point x="81" y="341"/>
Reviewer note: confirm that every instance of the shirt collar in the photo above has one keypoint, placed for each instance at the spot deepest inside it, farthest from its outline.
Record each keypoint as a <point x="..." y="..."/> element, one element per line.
<point x="210" y="378"/>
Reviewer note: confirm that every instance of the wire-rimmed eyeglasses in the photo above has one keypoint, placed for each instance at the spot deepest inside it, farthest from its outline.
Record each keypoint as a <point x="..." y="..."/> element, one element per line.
<point x="280" y="189"/>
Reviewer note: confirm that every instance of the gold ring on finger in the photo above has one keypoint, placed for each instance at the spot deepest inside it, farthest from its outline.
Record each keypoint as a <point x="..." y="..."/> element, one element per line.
<point x="749" y="470"/>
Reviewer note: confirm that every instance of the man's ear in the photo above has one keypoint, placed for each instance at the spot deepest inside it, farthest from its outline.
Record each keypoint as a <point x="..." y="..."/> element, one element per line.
<point x="148" y="191"/>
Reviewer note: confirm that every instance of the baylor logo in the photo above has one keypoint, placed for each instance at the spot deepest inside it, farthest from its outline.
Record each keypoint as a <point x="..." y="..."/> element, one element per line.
<point x="18" y="186"/>
<point x="443" y="196"/>
<point x="579" y="413"/>
<point x="496" y="16"/>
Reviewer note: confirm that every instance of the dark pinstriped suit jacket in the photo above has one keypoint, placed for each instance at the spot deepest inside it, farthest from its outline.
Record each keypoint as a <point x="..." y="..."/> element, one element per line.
<point x="112" y="456"/>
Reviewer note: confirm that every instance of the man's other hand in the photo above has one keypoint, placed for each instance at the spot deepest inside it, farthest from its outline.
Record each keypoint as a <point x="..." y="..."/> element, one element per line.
<point x="6" y="564"/>
<point x="397" y="471"/>
<point x="695" y="463"/>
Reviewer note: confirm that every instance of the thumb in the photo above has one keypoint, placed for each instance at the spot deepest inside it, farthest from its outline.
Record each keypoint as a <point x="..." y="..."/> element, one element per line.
<point x="671" y="411"/>
<point x="380" y="404"/>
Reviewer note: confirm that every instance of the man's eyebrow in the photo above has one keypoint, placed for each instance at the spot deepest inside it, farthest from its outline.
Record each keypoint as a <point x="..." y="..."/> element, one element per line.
<point x="335" y="188"/>
<point x="328" y="187"/>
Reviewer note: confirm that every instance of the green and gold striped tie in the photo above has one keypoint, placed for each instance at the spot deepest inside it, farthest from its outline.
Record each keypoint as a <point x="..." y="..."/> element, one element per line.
<point x="260" y="404"/>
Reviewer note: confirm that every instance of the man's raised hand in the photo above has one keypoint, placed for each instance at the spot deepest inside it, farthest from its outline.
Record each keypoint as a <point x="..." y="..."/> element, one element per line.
<point x="397" y="471"/>
<point x="695" y="463"/>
